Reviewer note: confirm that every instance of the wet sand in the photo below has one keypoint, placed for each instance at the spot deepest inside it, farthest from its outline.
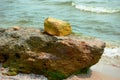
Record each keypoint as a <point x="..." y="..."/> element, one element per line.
<point x="93" y="75"/>
<point x="103" y="70"/>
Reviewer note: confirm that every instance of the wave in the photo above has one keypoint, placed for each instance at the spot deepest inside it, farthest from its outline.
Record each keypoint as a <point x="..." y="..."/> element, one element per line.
<point x="92" y="2"/>
<point x="64" y="3"/>
<point x="60" y="3"/>
<point x="95" y="9"/>
<point x="112" y="52"/>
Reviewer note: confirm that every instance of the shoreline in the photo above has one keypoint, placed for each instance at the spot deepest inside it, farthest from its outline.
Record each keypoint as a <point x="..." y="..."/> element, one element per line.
<point x="93" y="75"/>
<point x="103" y="70"/>
<point x="108" y="66"/>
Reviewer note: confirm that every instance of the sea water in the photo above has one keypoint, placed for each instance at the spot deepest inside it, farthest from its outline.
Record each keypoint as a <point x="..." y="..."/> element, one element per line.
<point x="95" y="18"/>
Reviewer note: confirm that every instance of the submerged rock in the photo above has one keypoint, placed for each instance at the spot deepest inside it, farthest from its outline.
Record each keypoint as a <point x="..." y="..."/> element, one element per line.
<point x="39" y="53"/>
<point x="57" y="27"/>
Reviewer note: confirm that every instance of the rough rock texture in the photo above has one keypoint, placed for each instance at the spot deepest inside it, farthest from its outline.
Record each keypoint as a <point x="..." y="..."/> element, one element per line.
<point x="28" y="50"/>
<point x="57" y="27"/>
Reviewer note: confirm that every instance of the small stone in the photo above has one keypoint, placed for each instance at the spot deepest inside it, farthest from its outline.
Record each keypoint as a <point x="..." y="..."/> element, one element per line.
<point x="16" y="28"/>
<point x="31" y="59"/>
<point x="2" y="69"/>
<point x="11" y="73"/>
<point x="57" y="27"/>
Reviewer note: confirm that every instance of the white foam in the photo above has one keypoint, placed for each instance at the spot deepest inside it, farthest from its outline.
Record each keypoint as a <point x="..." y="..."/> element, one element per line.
<point x="111" y="52"/>
<point x="95" y="9"/>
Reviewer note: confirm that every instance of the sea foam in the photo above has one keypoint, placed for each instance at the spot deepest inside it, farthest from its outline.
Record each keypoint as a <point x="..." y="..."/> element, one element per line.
<point x="95" y="9"/>
<point x="112" y="52"/>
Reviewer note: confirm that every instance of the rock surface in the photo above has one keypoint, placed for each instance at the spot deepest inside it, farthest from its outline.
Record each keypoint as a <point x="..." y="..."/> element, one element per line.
<point x="28" y="50"/>
<point x="57" y="27"/>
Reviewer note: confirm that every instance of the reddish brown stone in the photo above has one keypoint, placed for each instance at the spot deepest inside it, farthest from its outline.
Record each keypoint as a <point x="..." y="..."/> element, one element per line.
<point x="55" y="57"/>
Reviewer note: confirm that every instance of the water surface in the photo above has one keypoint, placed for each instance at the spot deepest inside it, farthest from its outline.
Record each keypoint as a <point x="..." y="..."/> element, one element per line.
<point x="97" y="18"/>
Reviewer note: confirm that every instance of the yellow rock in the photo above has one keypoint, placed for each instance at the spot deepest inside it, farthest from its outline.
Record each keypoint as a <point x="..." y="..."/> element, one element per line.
<point x="57" y="27"/>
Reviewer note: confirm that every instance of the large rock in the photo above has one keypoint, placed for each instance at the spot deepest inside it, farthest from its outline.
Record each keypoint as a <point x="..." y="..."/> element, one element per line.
<point x="28" y="50"/>
<point x="57" y="27"/>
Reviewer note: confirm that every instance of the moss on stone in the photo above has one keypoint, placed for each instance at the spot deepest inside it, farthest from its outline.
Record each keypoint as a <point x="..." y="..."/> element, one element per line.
<point x="55" y="75"/>
<point x="82" y="71"/>
<point x="11" y="73"/>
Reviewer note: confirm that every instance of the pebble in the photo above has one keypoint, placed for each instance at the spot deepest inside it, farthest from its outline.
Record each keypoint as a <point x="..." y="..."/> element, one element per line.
<point x="16" y="28"/>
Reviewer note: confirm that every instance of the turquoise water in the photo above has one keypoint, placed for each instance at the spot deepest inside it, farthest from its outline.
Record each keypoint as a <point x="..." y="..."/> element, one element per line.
<point x="97" y="18"/>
